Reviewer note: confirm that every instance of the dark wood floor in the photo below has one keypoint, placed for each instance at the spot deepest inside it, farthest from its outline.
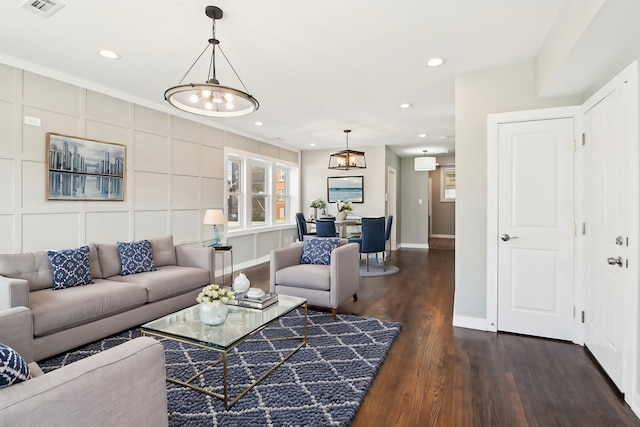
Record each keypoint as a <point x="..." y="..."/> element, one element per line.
<point x="438" y="375"/>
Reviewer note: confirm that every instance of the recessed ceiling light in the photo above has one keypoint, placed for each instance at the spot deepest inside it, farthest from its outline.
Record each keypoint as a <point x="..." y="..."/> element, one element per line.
<point x="109" y="54"/>
<point x="405" y="105"/>
<point x="435" y="62"/>
<point x="423" y="135"/>
<point x="312" y="144"/>
<point x="257" y="123"/>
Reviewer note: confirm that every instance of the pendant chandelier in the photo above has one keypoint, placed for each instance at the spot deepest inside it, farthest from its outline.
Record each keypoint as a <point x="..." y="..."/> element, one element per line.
<point x="347" y="159"/>
<point x="211" y="98"/>
<point x="424" y="163"/>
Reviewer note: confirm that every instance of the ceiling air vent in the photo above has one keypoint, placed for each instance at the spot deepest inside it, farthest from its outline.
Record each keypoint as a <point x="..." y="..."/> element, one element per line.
<point x="44" y="8"/>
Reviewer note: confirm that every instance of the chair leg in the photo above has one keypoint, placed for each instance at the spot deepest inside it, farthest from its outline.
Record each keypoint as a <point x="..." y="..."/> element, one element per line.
<point x="382" y="261"/>
<point x="355" y="297"/>
<point x="333" y="313"/>
<point x="367" y="262"/>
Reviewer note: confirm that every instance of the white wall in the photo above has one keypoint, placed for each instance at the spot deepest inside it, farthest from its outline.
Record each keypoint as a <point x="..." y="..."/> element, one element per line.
<point x="478" y="94"/>
<point x="314" y="173"/>
<point x="174" y="170"/>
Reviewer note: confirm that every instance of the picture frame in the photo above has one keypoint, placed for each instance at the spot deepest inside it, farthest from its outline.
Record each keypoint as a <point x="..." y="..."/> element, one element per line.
<point x="345" y="189"/>
<point x="83" y="169"/>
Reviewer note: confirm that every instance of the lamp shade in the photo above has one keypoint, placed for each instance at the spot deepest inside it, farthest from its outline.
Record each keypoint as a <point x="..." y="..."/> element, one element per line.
<point x="424" y="164"/>
<point x="213" y="217"/>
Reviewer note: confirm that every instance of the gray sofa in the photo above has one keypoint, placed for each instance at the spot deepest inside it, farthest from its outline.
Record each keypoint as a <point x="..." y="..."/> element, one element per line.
<point x="66" y="318"/>
<point x="121" y="386"/>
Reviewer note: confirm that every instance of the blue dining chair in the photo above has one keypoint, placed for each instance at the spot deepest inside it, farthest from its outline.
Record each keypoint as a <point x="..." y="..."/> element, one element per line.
<point x="326" y="227"/>
<point x="301" y="223"/>
<point x="372" y="239"/>
<point x="387" y="233"/>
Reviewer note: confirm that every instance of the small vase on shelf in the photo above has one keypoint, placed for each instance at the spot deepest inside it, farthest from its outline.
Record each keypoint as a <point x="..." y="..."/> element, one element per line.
<point x="213" y="313"/>
<point x="342" y="215"/>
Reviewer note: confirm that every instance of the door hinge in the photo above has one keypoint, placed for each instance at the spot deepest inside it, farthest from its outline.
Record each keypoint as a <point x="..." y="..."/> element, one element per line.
<point x="582" y="315"/>
<point x="626" y="263"/>
<point x="584" y="228"/>
<point x="584" y="139"/>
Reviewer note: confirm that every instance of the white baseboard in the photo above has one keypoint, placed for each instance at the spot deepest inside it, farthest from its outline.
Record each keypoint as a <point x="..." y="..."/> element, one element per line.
<point x="470" y="322"/>
<point x="413" y="246"/>
<point x="444" y="236"/>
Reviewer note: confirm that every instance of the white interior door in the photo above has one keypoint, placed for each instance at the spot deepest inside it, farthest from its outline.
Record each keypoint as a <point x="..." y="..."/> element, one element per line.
<point x="611" y="206"/>
<point x="536" y="225"/>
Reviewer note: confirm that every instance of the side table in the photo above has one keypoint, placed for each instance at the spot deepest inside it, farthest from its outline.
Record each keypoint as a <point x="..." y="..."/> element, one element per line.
<point x="222" y="249"/>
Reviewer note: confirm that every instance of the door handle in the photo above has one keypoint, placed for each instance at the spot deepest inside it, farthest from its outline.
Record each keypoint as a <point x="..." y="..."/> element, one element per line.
<point x="505" y="237"/>
<point x="614" y="261"/>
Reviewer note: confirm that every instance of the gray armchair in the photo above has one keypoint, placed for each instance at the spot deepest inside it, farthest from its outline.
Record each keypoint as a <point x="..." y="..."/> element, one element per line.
<point x="322" y="285"/>
<point x="121" y="386"/>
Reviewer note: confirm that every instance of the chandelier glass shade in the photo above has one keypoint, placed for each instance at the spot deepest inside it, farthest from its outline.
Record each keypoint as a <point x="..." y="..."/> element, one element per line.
<point x="211" y="98"/>
<point x="347" y="159"/>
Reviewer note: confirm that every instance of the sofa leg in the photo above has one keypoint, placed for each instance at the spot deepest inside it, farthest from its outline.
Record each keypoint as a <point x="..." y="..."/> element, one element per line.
<point x="355" y="297"/>
<point x="333" y="313"/>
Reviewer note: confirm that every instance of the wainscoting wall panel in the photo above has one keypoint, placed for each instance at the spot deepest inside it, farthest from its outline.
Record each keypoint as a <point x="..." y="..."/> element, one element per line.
<point x="174" y="170"/>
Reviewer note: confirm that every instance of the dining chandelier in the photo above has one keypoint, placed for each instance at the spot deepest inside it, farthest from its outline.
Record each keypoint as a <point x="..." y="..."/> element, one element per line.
<point x="211" y="98"/>
<point x="347" y="159"/>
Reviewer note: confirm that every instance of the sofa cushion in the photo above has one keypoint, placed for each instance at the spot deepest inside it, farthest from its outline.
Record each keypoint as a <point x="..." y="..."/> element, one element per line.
<point x="310" y="276"/>
<point x="135" y="257"/>
<point x="57" y="310"/>
<point x="163" y="251"/>
<point x="168" y="281"/>
<point x="109" y="259"/>
<point x="318" y="250"/>
<point x="33" y="267"/>
<point x="13" y="368"/>
<point x="70" y="267"/>
<point x="94" y="262"/>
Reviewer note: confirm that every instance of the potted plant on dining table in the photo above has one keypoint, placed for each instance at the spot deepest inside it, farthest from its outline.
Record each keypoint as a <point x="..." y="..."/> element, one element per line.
<point x="343" y="209"/>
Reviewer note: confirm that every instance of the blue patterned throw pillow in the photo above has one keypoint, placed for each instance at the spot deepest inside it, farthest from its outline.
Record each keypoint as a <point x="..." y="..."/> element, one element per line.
<point x="70" y="267"/>
<point x="13" y="368"/>
<point x="135" y="257"/>
<point x="318" y="250"/>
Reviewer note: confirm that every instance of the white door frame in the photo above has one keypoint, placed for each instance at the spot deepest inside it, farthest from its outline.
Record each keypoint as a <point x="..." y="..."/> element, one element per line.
<point x="392" y="207"/>
<point x="493" y="121"/>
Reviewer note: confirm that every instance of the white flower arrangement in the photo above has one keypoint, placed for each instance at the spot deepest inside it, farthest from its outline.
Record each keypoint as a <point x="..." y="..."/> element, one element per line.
<point x="318" y="204"/>
<point x="344" y="206"/>
<point x="211" y="293"/>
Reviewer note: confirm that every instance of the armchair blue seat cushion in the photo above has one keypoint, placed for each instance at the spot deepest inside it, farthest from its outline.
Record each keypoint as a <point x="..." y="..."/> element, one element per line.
<point x="318" y="250"/>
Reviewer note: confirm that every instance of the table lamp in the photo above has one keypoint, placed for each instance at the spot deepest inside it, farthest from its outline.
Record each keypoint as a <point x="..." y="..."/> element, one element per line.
<point x="214" y="217"/>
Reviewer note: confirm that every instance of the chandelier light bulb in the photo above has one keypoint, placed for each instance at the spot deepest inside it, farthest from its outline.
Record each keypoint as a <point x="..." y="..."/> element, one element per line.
<point x="206" y="93"/>
<point x="194" y="98"/>
<point x="208" y="105"/>
<point x="228" y="97"/>
<point x="229" y="105"/>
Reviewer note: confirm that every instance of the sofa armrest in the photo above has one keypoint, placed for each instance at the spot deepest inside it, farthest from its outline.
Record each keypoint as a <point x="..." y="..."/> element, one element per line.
<point x="13" y="292"/>
<point x="281" y="258"/>
<point x="121" y="386"/>
<point x="345" y="272"/>
<point x="197" y="256"/>
<point x="16" y="331"/>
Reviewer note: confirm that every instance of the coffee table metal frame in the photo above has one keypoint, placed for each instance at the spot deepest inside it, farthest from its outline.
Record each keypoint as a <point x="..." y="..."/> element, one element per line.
<point x="225" y="396"/>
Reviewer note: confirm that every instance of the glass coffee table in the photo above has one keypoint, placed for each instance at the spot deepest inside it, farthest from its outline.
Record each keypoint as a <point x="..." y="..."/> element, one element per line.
<point x="241" y="324"/>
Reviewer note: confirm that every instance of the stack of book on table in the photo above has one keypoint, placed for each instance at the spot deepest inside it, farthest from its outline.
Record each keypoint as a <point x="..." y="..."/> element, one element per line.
<point x="247" y="299"/>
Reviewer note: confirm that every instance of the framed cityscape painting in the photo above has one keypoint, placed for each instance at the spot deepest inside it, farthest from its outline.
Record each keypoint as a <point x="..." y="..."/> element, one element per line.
<point x="345" y="189"/>
<point x="83" y="169"/>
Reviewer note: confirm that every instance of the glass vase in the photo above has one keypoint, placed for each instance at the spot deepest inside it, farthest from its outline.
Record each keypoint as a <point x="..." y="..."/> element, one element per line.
<point x="213" y="313"/>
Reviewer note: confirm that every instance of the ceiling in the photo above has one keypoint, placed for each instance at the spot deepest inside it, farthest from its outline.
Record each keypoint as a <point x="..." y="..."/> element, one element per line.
<point x="316" y="67"/>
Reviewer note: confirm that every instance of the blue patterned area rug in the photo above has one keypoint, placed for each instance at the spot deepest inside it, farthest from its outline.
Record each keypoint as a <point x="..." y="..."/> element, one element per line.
<point x="323" y="384"/>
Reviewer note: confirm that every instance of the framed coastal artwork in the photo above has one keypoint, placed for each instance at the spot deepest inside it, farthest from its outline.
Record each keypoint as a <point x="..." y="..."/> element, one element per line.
<point x="345" y="189"/>
<point x="84" y="169"/>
